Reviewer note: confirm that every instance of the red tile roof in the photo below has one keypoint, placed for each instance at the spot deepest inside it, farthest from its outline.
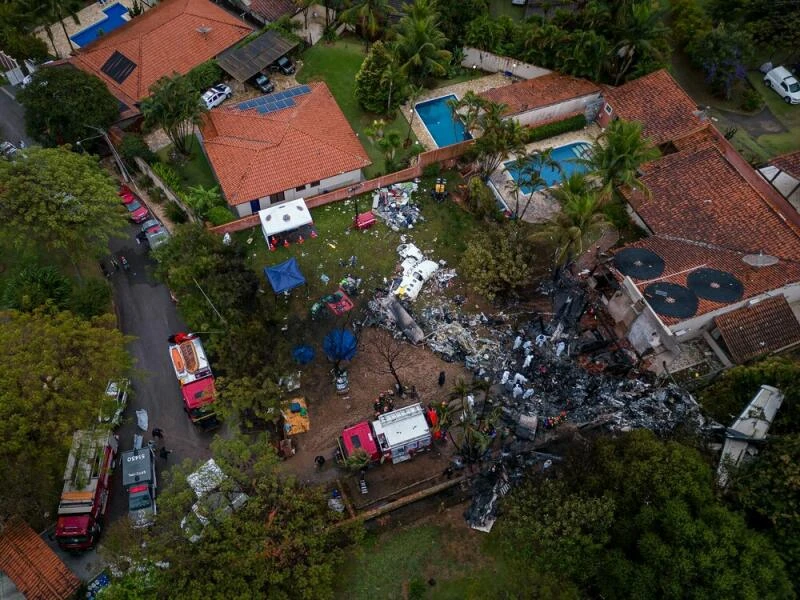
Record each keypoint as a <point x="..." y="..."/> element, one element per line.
<point x="789" y="163"/>
<point x="33" y="567"/>
<point x="682" y="256"/>
<point x="162" y="41"/>
<point x="272" y="10"/>
<point x="659" y="103"/>
<point x="699" y="195"/>
<point x="753" y="331"/>
<point x="539" y="92"/>
<point x="255" y="155"/>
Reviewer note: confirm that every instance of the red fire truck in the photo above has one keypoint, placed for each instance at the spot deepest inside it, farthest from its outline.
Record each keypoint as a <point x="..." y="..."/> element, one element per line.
<point x="195" y="377"/>
<point x="87" y="480"/>
<point x="394" y="436"/>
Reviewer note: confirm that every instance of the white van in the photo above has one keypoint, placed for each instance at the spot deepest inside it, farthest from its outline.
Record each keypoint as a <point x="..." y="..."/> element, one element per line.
<point x="784" y="83"/>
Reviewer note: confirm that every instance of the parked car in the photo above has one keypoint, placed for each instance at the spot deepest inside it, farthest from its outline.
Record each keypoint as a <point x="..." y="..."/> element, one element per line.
<point x="262" y="82"/>
<point x="8" y="150"/>
<point x="284" y="64"/>
<point x="784" y="83"/>
<point x="139" y="479"/>
<point x="136" y="211"/>
<point x="117" y="392"/>
<point x="216" y="95"/>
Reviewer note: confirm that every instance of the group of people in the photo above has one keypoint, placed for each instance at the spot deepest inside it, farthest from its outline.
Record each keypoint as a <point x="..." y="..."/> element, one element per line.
<point x="158" y="433"/>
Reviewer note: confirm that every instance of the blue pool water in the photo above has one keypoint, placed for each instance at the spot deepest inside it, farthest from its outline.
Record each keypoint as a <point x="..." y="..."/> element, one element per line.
<point x="444" y="128"/>
<point x="566" y="157"/>
<point x="113" y="20"/>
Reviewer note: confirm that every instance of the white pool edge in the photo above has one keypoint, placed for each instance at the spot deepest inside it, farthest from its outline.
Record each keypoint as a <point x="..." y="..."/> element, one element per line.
<point x="425" y="125"/>
<point x="77" y="33"/>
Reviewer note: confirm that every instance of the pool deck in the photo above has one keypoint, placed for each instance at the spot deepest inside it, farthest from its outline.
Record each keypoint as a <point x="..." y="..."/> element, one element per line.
<point x="87" y="16"/>
<point x="543" y="207"/>
<point x="459" y="89"/>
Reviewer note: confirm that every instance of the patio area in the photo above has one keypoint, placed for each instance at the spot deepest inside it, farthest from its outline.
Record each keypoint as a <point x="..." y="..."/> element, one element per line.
<point x="543" y="206"/>
<point x="459" y="89"/>
<point x="86" y="16"/>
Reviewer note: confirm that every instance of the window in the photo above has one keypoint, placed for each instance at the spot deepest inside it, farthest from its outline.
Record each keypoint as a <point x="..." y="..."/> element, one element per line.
<point x="608" y="109"/>
<point x="299" y="188"/>
<point x="313" y="184"/>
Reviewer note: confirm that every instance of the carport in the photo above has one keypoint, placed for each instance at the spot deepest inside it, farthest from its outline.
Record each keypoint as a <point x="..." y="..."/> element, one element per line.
<point x="242" y="63"/>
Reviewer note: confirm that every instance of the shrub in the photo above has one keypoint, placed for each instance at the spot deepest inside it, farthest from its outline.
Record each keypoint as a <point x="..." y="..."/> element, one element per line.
<point x="132" y="146"/>
<point x="534" y="134"/>
<point x="91" y="299"/>
<point x="432" y="170"/>
<point x="35" y="286"/>
<point x="219" y="215"/>
<point x="156" y="195"/>
<point x="205" y="75"/>
<point x="168" y="175"/>
<point x="751" y="100"/>
<point x="175" y="213"/>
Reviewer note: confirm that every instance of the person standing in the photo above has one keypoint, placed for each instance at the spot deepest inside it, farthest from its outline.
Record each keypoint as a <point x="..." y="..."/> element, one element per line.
<point x="158" y="433"/>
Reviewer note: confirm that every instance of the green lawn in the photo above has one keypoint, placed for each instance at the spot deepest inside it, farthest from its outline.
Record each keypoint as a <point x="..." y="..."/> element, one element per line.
<point x="504" y="8"/>
<point x="788" y="115"/>
<point x="443" y="235"/>
<point x="399" y="564"/>
<point x="337" y="64"/>
<point x="194" y="171"/>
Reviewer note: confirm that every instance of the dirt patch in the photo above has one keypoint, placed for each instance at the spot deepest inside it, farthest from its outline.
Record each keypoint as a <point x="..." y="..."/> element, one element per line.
<point x="330" y="413"/>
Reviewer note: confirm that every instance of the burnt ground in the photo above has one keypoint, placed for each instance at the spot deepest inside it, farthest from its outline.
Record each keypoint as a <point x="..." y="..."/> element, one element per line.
<point x="330" y="413"/>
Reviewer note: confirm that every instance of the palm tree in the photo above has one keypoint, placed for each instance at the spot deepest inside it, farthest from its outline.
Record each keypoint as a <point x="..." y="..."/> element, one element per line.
<point x="369" y="15"/>
<point x="420" y="42"/>
<point x="48" y="11"/>
<point x="617" y="155"/>
<point x="641" y="34"/>
<point x="475" y="426"/>
<point x="528" y="169"/>
<point x="394" y="78"/>
<point x="174" y="106"/>
<point x="580" y="221"/>
<point x="304" y="6"/>
<point x="414" y="92"/>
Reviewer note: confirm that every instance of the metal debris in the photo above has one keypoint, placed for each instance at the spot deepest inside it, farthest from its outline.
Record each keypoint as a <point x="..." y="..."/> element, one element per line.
<point x="395" y="207"/>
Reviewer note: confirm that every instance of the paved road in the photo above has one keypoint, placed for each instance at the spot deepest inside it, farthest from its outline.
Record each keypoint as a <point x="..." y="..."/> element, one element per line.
<point x="12" y="117"/>
<point x="146" y="312"/>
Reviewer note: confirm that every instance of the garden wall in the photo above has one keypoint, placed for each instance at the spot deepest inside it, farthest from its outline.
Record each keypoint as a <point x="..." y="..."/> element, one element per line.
<point x="492" y="63"/>
<point x="171" y="196"/>
<point x="446" y="156"/>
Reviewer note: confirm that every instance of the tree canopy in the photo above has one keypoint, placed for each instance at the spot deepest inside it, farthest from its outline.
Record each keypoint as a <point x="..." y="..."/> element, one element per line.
<point x="636" y="517"/>
<point x="283" y="543"/>
<point x="497" y="261"/>
<point x="175" y="106"/>
<point x="61" y="200"/>
<point x="53" y="374"/>
<point x="380" y="83"/>
<point x="61" y="103"/>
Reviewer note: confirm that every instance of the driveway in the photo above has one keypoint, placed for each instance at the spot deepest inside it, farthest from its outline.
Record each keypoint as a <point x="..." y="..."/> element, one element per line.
<point x="12" y="117"/>
<point x="145" y="311"/>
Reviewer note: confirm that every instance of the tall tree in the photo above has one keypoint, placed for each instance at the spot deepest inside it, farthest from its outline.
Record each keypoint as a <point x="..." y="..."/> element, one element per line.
<point x="527" y="169"/>
<point x="392" y="355"/>
<point x="641" y="36"/>
<point x="61" y="200"/>
<point x="617" y="155"/>
<point x="53" y="374"/>
<point x="369" y="16"/>
<point x="46" y="12"/>
<point x="284" y="542"/>
<point x="16" y="37"/>
<point x="497" y="262"/>
<point x="175" y="106"/>
<point x="63" y="104"/>
<point x="381" y="86"/>
<point x="723" y="53"/>
<point x="420" y="42"/>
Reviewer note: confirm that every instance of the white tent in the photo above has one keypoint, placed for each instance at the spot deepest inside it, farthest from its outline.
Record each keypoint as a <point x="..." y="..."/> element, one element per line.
<point x="284" y="217"/>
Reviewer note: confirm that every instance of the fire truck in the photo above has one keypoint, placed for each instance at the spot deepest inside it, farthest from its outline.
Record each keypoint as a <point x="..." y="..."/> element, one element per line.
<point x="87" y="481"/>
<point x="194" y="375"/>
<point x="394" y="436"/>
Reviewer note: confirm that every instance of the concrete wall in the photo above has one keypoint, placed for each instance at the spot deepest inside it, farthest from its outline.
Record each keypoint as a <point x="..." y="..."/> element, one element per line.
<point x="491" y="63"/>
<point x="556" y="112"/>
<point x="171" y="196"/>
<point x="337" y="181"/>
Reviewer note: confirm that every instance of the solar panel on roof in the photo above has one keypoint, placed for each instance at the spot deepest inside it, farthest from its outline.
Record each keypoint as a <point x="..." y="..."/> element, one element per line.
<point x="303" y="89"/>
<point x="118" y="67"/>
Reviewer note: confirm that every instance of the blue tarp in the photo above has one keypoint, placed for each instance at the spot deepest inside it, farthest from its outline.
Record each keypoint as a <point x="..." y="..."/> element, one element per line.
<point x="285" y="276"/>
<point x="303" y="354"/>
<point x="340" y="344"/>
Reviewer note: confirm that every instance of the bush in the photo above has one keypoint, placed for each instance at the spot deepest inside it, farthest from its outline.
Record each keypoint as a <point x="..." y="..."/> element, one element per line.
<point x="219" y="215"/>
<point x="132" y="146"/>
<point x="432" y="170"/>
<point x="175" y="213"/>
<point x="156" y="194"/>
<point x="751" y="100"/>
<point x="534" y="134"/>
<point x="205" y="75"/>
<point x="91" y="299"/>
<point x="168" y="175"/>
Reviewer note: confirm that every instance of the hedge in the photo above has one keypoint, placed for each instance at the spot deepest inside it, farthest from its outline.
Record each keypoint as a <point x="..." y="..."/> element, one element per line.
<point x="534" y="134"/>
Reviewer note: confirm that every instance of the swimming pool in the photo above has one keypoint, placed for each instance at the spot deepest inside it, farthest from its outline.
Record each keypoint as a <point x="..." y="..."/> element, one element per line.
<point x="114" y="18"/>
<point x="441" y="123"/>
<point x="566" y="157"/>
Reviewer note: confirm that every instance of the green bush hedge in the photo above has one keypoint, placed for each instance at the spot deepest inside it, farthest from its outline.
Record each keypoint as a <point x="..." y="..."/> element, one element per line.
<point x="219" y="215"/>
<point x="133" y="145"/>
<point x="204" y="75"/>
<point x="175" y="213"/>
<point x="534" y="134"/>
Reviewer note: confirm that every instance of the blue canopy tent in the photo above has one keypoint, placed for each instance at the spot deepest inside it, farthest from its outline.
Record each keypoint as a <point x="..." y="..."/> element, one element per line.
<point x="303" y="354"/>
<point x="285" y="276"/>
<point x="340" y="344"/>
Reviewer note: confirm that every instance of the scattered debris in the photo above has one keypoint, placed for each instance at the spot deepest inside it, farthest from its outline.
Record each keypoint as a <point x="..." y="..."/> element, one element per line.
<point x="394" y="206"/>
